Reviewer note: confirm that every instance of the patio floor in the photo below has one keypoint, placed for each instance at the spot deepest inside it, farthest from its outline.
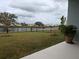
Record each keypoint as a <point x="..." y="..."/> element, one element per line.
<point x="59" y="51"/>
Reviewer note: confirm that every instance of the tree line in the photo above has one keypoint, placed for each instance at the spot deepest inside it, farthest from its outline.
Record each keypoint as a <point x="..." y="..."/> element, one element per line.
<point x="8" y="19"/>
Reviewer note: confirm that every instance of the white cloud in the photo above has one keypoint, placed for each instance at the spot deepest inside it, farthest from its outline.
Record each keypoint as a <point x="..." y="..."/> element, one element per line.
<point x="29" y="11"/>
<point x="20" y="12"/>
<point x="34" y="5"/>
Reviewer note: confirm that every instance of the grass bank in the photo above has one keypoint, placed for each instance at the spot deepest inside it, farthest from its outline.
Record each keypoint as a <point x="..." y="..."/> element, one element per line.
<point x="17" y="45"/>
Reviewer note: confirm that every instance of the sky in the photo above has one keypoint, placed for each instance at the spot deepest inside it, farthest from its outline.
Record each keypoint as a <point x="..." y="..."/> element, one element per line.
<point x="31" y="11"/>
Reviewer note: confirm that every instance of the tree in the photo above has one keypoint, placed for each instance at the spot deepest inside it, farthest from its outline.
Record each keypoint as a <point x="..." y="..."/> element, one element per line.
<point x="62" y="26"/>
<point x="24" y="24"/>
<point x="7" y="20"/>
<point x="39" y="24"/>
<point x="63" y="19"/>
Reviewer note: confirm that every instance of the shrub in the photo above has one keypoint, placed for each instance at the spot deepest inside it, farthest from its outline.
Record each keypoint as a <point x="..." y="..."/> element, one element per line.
<point x="70" y="29"/>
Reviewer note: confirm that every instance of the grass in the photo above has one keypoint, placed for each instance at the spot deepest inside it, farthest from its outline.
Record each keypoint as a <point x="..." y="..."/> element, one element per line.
<point x="17" y="45"/>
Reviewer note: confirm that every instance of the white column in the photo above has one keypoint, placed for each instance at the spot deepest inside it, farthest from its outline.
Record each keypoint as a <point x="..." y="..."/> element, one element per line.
<point x="73" y="14"/>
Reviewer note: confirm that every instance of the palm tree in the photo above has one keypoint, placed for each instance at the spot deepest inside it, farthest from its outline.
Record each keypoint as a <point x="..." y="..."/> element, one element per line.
<point x="63" y="19"/>
<point x="62" y="24"/>
<point x="7" y="19"/>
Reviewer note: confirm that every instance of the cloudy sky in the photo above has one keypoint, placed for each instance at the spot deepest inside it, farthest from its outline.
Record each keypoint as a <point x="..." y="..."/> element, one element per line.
<point x="30" y="11"/>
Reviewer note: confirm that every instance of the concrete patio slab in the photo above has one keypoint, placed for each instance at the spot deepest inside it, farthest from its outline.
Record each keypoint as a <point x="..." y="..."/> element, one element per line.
<point x="59" y="51"/>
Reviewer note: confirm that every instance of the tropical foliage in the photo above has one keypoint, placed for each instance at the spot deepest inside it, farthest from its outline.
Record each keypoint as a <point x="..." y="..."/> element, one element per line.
<point x="7" y="20"/>
<point x="62" y="26"/>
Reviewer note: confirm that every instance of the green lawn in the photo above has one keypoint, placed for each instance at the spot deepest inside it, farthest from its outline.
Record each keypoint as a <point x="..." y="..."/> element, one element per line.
<point x="17" y="45"/>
